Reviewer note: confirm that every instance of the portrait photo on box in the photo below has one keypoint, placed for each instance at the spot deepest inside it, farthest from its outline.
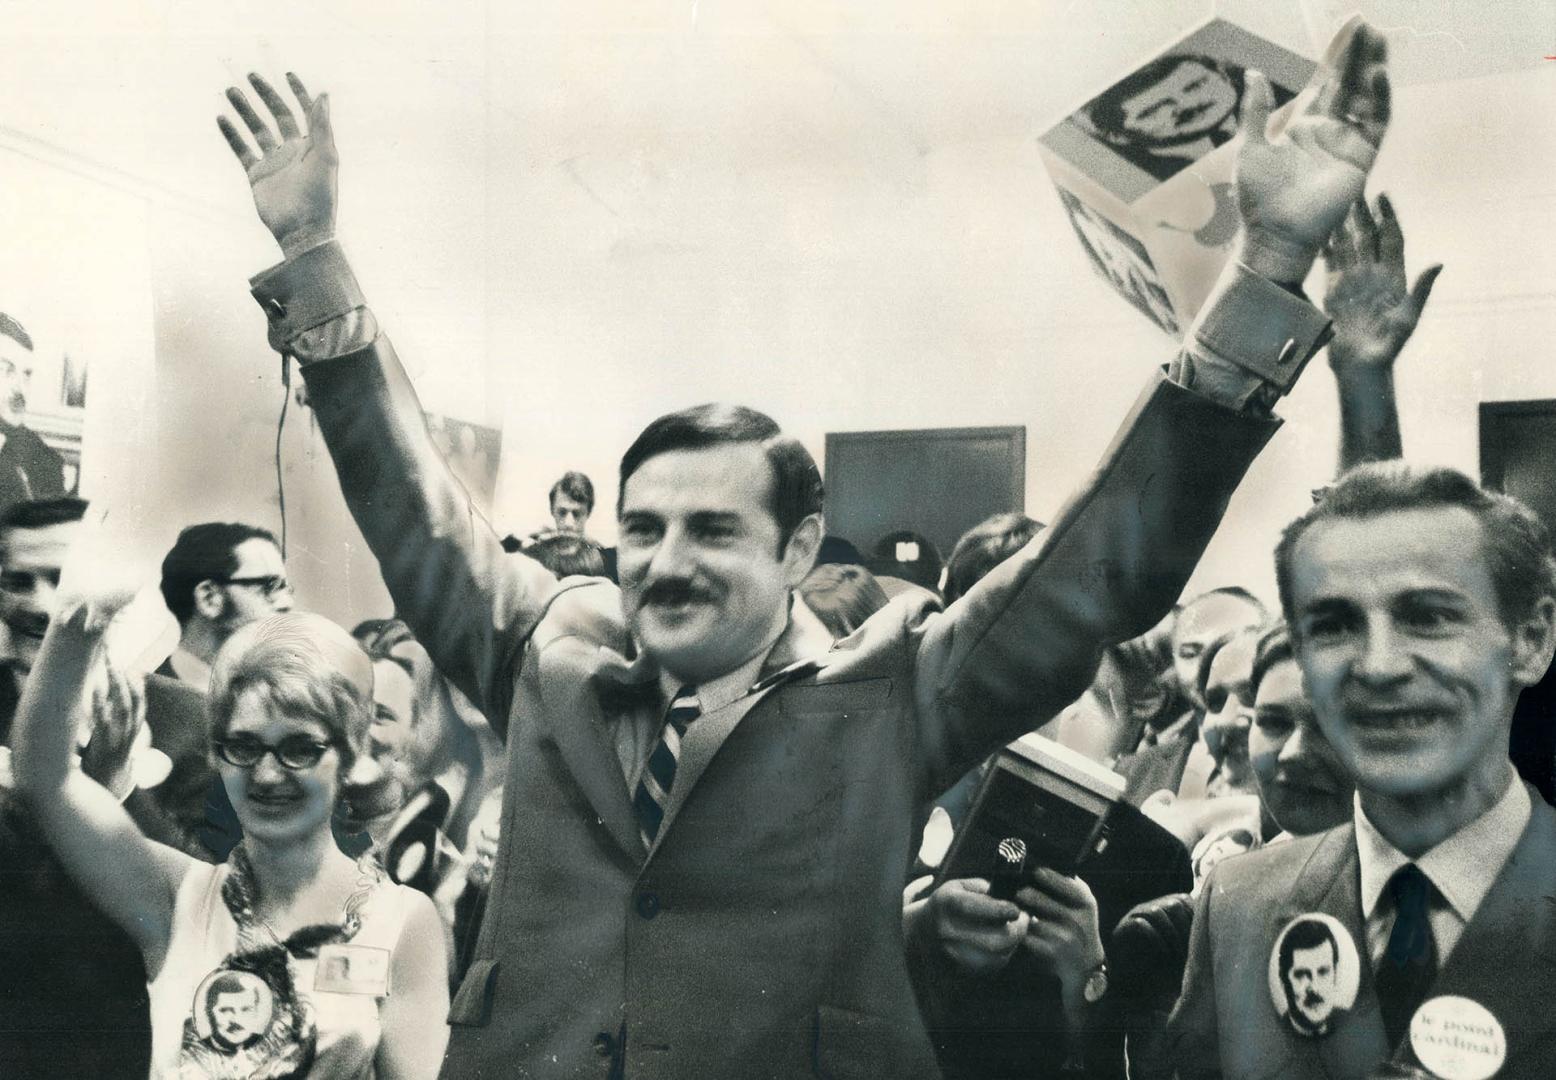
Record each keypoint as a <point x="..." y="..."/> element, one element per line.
<point x="1171" y="110"/>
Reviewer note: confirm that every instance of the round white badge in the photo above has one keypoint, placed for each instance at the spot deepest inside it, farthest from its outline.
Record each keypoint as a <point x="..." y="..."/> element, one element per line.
<point x="232" y="1009"/>
<point x="1458" y="1038"/>
<point x="1314" y="973"/>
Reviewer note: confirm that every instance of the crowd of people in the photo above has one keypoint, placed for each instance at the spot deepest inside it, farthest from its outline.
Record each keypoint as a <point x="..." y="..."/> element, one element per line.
<point x="703" y="804"/>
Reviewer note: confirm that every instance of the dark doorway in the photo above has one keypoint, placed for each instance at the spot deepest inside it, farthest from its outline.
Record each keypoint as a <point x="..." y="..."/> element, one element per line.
<point x="1518" y="457"/>
<point x="937" y="482"/>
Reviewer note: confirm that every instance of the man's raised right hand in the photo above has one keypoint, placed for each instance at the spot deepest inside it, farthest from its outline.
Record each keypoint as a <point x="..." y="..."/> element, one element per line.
<point x="294" y="172"/>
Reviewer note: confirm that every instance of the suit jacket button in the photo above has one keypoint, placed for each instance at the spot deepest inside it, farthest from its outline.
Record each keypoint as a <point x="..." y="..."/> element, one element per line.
<point x="648" y="904"/>
<point x="604" y="1044"/>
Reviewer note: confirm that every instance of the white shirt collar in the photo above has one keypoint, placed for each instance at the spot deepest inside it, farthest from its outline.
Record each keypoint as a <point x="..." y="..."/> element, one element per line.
<point x="719" y="692"/>
<point x="803" y="638"/>
<point x="1462" y="867"/>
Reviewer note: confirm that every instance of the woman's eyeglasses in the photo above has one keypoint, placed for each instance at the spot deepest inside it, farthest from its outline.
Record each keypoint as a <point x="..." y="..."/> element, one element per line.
<point x="295" y="752"/>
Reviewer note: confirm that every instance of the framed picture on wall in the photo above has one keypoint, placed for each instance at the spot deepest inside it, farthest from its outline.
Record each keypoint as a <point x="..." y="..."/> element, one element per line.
<point x="42" y="413"/>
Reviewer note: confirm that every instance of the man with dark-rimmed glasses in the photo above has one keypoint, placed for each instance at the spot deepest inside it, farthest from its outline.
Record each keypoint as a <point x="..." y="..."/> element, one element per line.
<point x="218" y="576"/>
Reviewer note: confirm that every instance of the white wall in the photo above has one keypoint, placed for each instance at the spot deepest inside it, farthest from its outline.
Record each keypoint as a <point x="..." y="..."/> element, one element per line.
<point x="574" y="217"/>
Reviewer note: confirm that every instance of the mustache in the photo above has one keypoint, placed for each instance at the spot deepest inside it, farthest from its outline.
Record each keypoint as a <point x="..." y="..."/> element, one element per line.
<point x="677" y="591"/>
<point x="1191" y="113"/>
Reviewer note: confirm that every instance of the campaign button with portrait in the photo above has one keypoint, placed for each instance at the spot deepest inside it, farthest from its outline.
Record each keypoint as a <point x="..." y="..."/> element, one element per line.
<point x="1314" y="974"/>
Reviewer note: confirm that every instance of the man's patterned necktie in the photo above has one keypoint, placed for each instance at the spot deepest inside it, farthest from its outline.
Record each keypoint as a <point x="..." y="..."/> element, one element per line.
<point x="653" y="793"/>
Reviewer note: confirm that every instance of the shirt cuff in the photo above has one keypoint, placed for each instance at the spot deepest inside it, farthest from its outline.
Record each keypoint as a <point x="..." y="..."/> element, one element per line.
<point x="1251" y="341"/>
<point x="314" y="306"/>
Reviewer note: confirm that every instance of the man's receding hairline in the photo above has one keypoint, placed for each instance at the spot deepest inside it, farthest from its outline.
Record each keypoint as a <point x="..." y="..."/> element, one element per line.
<point x="1365" y="520"/>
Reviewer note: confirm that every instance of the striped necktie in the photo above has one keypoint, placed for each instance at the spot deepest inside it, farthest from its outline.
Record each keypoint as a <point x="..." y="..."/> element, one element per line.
<point x="653" y="793"/>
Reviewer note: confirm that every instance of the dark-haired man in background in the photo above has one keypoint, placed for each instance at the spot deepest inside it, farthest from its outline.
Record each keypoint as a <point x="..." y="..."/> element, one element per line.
<point x="572" y="501"/>
<point x="219" y="576"/>
<point x="707" y="810"/>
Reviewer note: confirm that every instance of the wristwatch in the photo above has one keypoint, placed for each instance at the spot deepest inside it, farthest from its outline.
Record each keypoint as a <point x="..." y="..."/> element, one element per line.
<point x="1096" y="984"/>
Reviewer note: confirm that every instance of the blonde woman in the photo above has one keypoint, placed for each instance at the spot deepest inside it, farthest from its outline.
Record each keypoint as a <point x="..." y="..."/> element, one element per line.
<point x="291" y="959"/>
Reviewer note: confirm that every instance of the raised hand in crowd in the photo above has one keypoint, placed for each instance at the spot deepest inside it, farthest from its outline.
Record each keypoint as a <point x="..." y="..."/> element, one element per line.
<point x="485" y="831"/>
<point x="1375" y="310"/>
<point x="118" y="713"/>
<point x="1295" y="185"/>
<point x="293" y="177"/>
<point x="108" y="709"/>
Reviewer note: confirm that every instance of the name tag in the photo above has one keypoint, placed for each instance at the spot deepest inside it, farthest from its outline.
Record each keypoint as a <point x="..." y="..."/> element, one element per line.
<point x="352" y="969"/>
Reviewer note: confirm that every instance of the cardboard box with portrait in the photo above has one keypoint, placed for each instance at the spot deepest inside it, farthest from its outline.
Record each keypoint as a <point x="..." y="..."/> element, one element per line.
<point x="1145" y="168"/>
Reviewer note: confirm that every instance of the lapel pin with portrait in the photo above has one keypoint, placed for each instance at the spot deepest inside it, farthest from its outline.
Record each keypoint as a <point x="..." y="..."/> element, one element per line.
<point x="1314" y="974"/>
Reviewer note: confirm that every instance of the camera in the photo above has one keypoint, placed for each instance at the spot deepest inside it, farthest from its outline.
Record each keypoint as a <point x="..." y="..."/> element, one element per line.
<point x="1039" y="804"/>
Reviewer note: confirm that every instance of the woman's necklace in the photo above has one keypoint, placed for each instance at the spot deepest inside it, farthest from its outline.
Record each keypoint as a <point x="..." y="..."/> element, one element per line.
<point x="240" y="892"/>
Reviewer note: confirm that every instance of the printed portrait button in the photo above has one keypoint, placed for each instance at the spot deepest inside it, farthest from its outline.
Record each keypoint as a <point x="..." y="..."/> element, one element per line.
<point x="1314" y="974"/>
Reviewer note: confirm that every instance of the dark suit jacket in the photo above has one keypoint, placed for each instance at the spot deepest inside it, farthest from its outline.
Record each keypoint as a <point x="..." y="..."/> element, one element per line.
<point x="72" y="986"/>
<point x="761" y="936"/>
<point x="29" y="468"/>
<point x="1157" y="767"/>
<point x="193" y="794"/>
<point x="1226" y="1025"/>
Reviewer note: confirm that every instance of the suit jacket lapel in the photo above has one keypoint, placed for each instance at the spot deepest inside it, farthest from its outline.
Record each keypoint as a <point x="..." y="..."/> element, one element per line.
<point x="1508" y="950"/>
<point x="1330" y="883"/>
<point x="581" y="704"/>
<point x="701" y="741"/>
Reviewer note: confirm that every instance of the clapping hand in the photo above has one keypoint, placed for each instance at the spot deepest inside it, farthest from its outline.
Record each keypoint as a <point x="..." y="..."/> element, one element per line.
<point x="1295" y="186"/>
<point x="293" y="171"/>
<point x="1374" y="308"/>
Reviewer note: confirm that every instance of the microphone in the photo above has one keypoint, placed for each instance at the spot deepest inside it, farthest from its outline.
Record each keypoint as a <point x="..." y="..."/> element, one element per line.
<point x="1010" y="864"/>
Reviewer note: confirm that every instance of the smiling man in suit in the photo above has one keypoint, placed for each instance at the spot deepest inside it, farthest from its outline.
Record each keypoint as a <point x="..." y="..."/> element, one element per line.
<point x="708" y="809"/>
<point x="1420" y="606"/>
